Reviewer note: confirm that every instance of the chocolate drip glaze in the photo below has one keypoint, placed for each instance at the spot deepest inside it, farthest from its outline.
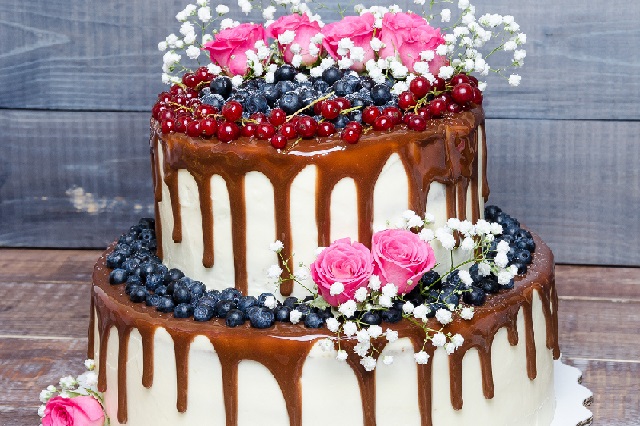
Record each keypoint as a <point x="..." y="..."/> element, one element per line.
<point x="445" y="153"/>
<point x="292" y="343"/>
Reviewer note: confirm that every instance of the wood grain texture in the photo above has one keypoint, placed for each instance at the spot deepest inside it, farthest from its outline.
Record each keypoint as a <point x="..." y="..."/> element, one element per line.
<point x="79" y="179"/>
<point x="74" y="54"/>
<point x="598" y="325"/>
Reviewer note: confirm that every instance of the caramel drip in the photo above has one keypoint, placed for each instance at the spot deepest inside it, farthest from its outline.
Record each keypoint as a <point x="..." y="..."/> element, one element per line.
<point x="445" y="153"/>
<point x="147" y="359"/>
<point x="157" y="189"/>
<point x="475" y="203"/>
<point x="462" y="199"/>
<point x="206" y="207"/>
<point x="283" y="349"/>
<point x="282" y="203"/>
<point x="451" y="201"/>
<point x="123" y="347"/>
<point x="485" y="182"/>
<point x="181" y="346"/>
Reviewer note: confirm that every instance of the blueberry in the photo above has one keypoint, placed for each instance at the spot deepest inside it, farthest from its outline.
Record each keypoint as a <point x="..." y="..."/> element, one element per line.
<point x="474" y="272"/>
<point x="358" y="102"/>
<point x="209" y="300"/>
<point x="355" y="116"/>
<point x="488" y="284"/>
<point x="380" y="94"/>
<point x="341" y="88"/>
<point x="134" y="279"/>
<point x="523" y="255"/>
<point x="245" y="302"/>
<point x="324" y="313"/>
<point x="127" y="239"/>
<point x="161" y="290"/>
<point x="130" y="287"/>
<point x="198" y="288"/>
<point x="165" y="305"/>
<point x="250" y="311"/>
<point x="124" y="249"/>
<point x="522" y="267"/>
<point x="433" y="308"/>
<point x="214" y="100"/>
<point x="304" y="309"/>
<point x="147" y="223"/>
<point x="175" y="274"/>
<point x="223" y="307"/>
<point x="372" y="318"/>
<point x="286" y="86"/>
<point x="183" y="310"/>
<point x="181" y="295"/>
<point x="271" y="93"/>
<point x="132" y="266"/>
<point x="230" y="293"/>
<point x="153" y="281"/>
<point x="321" y="86"/>
<point x="430" y="280"/>
<point x="448" y="295"/>
<point x="314" y="320"/>
<point x="147" y="268"/>
<point x="281" y="313"/>
<point x="261" y="318"/>
<point x="240" y="96"/>
<point x="114" y="260"/>
<point x="398" y="304"/>
<point x="367" y="82"/>
<point x="141" y="248"/>
<point x="391" y="315"/>
<point x="290" y="302"/>
<point x="118" y="276"/>
<point x="491" y="212"/>
<point x="341" y="121"/>
<point x="331" y="75"/>
<point x="256" y="103"/>
<point x="475" y="296"/>
<point x="147" y="235"/>
<point x="235" y="317"/>
<point x="263" y="297"/>
<point x="221" y="86"/>
<point x="290" y="102"/>
<point x="152" y="300"/>
<point x="138" y="294"/>
<point x="453" y="279"/>
<point x="285" y="72"/>
<point x="203" y="313"/>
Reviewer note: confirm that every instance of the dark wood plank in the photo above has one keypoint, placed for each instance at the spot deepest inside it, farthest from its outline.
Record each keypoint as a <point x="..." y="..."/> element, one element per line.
<point x="74" y="54"/>
<point x="574" y="183"/>
<point x="71" y="179"/>
<point x="47" y="266"/>
<point x="593" y="282"/>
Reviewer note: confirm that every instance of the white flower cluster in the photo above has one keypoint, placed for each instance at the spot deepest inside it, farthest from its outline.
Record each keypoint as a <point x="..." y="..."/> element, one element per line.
<point x="85" y="384"/>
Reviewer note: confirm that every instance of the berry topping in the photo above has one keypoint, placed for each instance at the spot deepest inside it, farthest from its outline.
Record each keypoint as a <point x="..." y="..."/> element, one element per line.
<point x="227" y="131"/>
<point x="326" y="129"/>
<point x="370" y="114"/>
<point x="264" y="131"/>
<point x="278" y="141"/>
<point x="277" y="116"/>
<point x="330" y="109"/>
<point x="420" y="86"/>
<point x="306" y="126"/>
<point x="232" y="111"/>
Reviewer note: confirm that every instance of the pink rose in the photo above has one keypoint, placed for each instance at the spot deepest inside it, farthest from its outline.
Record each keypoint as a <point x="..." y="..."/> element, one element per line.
<point x="399" y="256"/>
<point x="349" y="263"/>
<point x="408" y="34"/>
<point x="78" y="411"/>
<point x="304" y="29"/>
<point x="228" y="48"/>
<point x="357" y="28"/>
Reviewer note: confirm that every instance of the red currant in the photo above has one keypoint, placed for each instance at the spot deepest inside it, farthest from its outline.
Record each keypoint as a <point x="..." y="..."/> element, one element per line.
<point x="181" y="123"/>
<point x="354" y="125"/>
<point x="232" y="111"/>
<point x="203" y="74"/>
<point x="288" y="130"/>
<point x="277" y="116"/>
<point x="208" y="126"/>
<point x="384" y="122"/>
<point x="477" y="96"/>
<point x="249" y="130"/>
<point x="193" y="129"/>
<point x="406" y="100"/>
<point x="317" y="107"/>
<point x="227" y="131"/>
<point x="264" y="131"/>
<point x="330" y="109"/>
<point x="164" y="97"/>
<point x="424" y="113"/>
<point x="370" y="114"/>
<point x="278" y="141"/>
<point x="180" y="100"/>
<point x="258" y="117"/>
<point x="420" y="86"/>
<point x="462" y="92"/>
<point x="454" y="107"/>
<point x="417" y="123"/>
<point x="189" y="80"/>
<point x="344" y="103"/>
<point x="437" y="107"/>
<point x="350" y="135"/>
<point x="459" y="78"/>
<point x="326" y="128"/>
<point x="307" y="126"/>
<point x="168" y="126"/>
<point x="473" y="81"/>
<point x="204" y="110"/>
<point x="190" y="94"/>
<point x="393" y="113"/>
<point x="176" y="90"/>
<point x="439" y="84"/>
<point x="166" y="114"/>
<point x="407" y="117"/>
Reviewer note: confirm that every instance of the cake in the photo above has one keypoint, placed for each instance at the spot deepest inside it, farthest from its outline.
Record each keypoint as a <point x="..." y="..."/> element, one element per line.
<point x="321" y="250"/>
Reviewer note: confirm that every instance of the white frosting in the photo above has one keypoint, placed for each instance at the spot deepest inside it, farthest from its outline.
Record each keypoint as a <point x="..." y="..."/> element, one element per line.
<point x="330" y="392"/>
<point x="391" y="199"/>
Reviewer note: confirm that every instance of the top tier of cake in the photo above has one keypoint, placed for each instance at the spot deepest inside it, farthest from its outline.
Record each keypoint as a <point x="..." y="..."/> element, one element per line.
<point x="219" y="206"/>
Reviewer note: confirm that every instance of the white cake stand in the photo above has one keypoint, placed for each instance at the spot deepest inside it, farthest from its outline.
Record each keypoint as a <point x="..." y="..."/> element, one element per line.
<point x="572" y="398"/>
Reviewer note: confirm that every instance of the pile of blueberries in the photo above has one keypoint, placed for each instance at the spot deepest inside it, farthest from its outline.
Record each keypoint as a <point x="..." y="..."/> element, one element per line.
<point x="256" y="95"/>
<point x="135" y="264"/>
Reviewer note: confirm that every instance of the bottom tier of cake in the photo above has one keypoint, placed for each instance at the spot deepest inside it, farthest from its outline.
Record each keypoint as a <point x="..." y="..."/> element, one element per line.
<point x="156" y="369"/>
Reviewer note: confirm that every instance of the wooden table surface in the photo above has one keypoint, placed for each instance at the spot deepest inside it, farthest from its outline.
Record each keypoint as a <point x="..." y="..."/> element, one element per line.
<point x="44" y="313"/>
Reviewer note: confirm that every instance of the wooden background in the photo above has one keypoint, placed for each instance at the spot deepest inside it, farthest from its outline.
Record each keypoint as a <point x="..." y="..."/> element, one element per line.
<point x="78" y="78"/>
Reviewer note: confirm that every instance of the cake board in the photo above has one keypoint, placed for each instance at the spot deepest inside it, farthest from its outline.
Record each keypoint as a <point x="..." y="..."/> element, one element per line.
<point x="572" y="398"/>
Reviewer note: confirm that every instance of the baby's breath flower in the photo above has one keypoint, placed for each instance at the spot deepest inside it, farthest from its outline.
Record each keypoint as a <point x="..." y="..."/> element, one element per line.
<point x="443" y="316"/>
<point x="466" y="313"/>
<point x="41" y="410"/>
<point x="336" y="288"/>
<point x="504" y="277"/>
<point x="390" y="290"/>
<point x="204" y="14"/>
<point x="221" y="9"/>
<point x="45" y="395"/>
<point x="501" y="260"/>
<point x="514" y="80"/>
<point x="162" y="46"/>
<point x="426" y="235"/>
<point x="374" y="331"/>
<point x="385" y="301"/>
<point x="449" y="348"/>
<point x="341" y="355"/>
<point x="245" y="6"/>
<point x="270" y="302"/>
<point x="361" y="294"/>
<point x="362" y="348"/>
<point x="465" y="277"/>
<point x="286" y="37"/>
<point x="421" y="357"/>
<point x="274" y="271"/>
<point x="348" y="308"/>
<point x="332" y="324"/>
<point x="420" y="312"/>
<point x="467" y="244"/>
<point x="268" y="12"/>
<point x="438" y="339"/>
<point x="445" y="15"/>
<point x="407" y="308"/>
<point x="484" y="269"/>
<point x="276" y="246"/>
<point x="68" y="382"/>
<point x="374" y="282"/>
<point x="89" y="364"/>
<point x="193" y="52"/>
<point x="368" y="363"/>
<point x="457" y="340"/>
<point x="350" y="328"/>
<point x="363" y="335"/>
<point x="294" y="316"/>
<point x="496" y="228"/>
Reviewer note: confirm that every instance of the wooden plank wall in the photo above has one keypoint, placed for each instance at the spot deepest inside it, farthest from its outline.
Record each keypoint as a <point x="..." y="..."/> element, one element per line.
<point x="77" y="79"/>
